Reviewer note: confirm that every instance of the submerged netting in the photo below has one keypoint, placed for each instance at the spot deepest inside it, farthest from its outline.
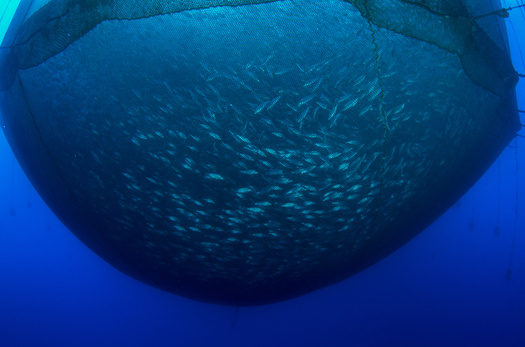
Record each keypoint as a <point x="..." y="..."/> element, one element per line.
<point x="446" y="24"/>
<point x="246" y="152"/>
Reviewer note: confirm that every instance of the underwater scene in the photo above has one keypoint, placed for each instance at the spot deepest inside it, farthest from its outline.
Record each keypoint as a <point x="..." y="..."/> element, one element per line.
<point x="262" y="173"/>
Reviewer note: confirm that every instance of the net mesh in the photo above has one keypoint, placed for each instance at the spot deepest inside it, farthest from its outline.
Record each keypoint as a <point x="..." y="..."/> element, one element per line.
<point x="247" y="152"/>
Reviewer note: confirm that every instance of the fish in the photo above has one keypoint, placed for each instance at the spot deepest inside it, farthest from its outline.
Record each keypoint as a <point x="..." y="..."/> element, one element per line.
<point x="273" y="102"/>
<point x="303" y="114"/>
<point x="305" y="100"/>
<point x="332" y="112"/>
<point x="261" y="107"/>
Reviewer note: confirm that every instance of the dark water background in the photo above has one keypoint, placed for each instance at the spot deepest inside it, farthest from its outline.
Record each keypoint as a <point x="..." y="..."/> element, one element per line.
<point x="449" y="286"/>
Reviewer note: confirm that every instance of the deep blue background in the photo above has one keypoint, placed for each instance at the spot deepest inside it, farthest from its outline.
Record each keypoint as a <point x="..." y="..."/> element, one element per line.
<point x="446" y="287"/>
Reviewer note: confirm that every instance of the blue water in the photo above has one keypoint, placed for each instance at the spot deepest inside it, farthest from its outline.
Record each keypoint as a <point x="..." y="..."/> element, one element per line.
<point x="447" y="287"/>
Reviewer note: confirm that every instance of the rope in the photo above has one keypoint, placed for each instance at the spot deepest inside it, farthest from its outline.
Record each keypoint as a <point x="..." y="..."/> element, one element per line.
<point x="502" y="12"/>
<point x="497" y="229"/>
<point x="381" y="105"/>
<point x="508" y="275"/>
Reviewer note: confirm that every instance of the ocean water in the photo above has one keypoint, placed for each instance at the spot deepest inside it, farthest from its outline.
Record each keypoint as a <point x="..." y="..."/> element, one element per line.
<point x="449" y="286"/>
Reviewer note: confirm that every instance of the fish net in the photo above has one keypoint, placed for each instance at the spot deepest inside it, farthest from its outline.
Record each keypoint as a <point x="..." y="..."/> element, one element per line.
<point x="446" y="24"/>
<point x="246" y="152"/>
